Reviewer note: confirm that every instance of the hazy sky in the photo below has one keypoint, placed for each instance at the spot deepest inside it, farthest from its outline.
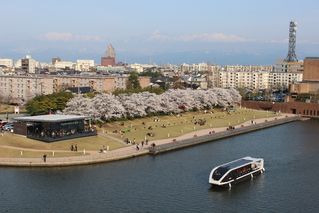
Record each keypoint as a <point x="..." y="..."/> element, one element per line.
<point x="162" y="31"/>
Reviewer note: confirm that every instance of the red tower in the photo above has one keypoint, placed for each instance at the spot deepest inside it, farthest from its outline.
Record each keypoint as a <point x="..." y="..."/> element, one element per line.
<point x="109" y="58"/>
<point x="107" y="61"/>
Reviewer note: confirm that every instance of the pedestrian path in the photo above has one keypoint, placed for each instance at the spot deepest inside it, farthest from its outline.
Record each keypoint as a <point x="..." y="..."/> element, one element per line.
<point x="112" y="138"/>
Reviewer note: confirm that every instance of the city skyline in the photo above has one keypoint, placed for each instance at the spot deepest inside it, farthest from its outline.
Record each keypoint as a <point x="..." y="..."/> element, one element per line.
<point x="159" y="32"/>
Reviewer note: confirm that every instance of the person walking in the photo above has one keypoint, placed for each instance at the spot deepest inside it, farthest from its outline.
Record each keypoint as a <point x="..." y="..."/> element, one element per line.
<point x="76" y="148"/>
<point x="44" y="158"/>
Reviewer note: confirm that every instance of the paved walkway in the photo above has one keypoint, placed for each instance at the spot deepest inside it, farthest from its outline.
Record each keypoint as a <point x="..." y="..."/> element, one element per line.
<point x="112" y="138"/>
<point x="118" y="154"/>
<point x="42" y="150"/>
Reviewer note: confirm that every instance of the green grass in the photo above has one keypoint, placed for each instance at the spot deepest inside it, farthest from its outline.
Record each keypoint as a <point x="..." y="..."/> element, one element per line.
<point x="4" y="108"/>
<point x="93" y="143"/>
<point x="176" y="126"/>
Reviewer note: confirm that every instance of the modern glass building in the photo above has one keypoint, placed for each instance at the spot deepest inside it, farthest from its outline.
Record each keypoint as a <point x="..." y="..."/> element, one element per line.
<point x="50" y="128"/>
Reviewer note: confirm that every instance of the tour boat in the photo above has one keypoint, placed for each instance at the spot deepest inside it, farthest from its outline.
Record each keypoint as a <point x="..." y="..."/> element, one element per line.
<point x="235" y="171"/>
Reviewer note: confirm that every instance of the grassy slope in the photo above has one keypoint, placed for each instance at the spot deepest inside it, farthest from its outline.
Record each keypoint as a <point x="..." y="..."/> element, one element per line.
<point x="175" y="126"/>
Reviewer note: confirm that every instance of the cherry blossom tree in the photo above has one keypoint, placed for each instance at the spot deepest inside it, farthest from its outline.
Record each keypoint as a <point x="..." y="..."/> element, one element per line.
<point x="108" y="107"/>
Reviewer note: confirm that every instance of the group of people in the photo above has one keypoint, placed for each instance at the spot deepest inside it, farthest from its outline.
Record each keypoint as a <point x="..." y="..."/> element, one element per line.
<point x="74" y="148"/>
<point x="142" y="144"/>
<point x="104" y="149"/>
<point x="133" y="142"/>
<point x="231" y="127"/>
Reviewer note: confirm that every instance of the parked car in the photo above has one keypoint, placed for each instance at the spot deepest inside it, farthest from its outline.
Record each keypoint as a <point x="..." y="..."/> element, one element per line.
<point x="2" y="123"/>
<point x="8" y="127"/>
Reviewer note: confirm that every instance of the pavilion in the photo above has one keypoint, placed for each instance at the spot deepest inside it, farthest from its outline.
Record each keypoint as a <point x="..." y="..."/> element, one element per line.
<point x="50" y="128"/>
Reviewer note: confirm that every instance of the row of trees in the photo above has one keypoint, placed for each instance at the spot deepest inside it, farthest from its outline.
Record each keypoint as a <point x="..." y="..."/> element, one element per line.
<point x="111" y="107"/>
<point x="43" y="104"/>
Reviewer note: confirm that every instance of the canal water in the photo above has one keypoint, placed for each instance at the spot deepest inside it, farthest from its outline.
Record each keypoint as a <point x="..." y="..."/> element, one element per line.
<point x="178" y="181"/>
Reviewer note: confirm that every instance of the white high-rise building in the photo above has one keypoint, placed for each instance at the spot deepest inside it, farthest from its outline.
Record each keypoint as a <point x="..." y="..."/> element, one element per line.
<point x="254" y="79"/>
<point x="64" y="65"/>
<point x="84" y="65"/>
<point x="244" y="79"/>
<point x="6" y="62"/>
<point x="28" y="64"/>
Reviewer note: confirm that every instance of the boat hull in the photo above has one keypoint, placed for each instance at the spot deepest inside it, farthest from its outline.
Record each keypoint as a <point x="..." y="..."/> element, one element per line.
<point x="246" y="177"/>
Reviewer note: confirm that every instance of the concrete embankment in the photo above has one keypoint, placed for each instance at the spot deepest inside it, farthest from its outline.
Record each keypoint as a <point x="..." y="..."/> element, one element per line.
<point x="219" y="135"/>
<point x="73" y="161"/>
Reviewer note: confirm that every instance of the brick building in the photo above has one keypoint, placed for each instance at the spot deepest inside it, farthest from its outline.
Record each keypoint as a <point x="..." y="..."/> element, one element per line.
<point x="310" y="83"/>
<point x="299" y="108"/>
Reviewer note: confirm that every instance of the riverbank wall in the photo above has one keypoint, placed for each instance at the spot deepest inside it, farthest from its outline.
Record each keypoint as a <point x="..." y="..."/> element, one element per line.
<point x="219" y="135"/>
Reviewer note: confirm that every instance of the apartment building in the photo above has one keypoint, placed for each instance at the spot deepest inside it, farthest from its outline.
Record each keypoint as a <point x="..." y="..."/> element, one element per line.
<point x="255" y="80"/>
<point x="284" y="79"/>
<point x="235" y="79"/>
<point x="97" y="83"/>
<point x="17" y="89"/>
<point x="246" y="68"/>
<point x="285" y="66"/>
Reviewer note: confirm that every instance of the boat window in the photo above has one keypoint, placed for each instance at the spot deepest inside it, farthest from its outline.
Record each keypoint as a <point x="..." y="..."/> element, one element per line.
<point x="243" y="170"/>
<point x="232" y="175"/>
<point x="218" y="173"/>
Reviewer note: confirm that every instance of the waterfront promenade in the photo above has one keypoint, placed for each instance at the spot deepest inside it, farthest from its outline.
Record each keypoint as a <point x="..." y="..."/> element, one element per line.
<point x="166" y="144"/>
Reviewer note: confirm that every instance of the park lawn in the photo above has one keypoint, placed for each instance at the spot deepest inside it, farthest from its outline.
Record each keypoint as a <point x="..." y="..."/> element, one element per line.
<point x="15" y="153"/>
<point x="92" y="143"/>
<point x="179" y="125"/>
<point x="4" y="108"/>
<point x="175" y="125"/>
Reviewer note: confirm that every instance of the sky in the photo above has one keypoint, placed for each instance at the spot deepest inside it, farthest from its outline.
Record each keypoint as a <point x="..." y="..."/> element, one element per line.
<point x="162" y="31"/>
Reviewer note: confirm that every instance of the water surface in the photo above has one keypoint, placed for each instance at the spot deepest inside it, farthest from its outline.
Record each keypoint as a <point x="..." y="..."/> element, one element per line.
<point x="178" y="181"/>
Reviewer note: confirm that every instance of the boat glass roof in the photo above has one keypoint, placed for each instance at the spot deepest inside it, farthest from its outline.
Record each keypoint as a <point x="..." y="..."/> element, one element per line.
<point x="236" y="163"/>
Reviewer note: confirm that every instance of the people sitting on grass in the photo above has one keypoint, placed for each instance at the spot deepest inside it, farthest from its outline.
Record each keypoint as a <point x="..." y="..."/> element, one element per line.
<point x="151" y="134"/>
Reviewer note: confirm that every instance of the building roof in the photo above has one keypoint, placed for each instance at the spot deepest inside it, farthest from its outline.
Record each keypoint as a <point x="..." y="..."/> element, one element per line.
<point x="50" y="118"/>
<point x="312" y="58"/>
